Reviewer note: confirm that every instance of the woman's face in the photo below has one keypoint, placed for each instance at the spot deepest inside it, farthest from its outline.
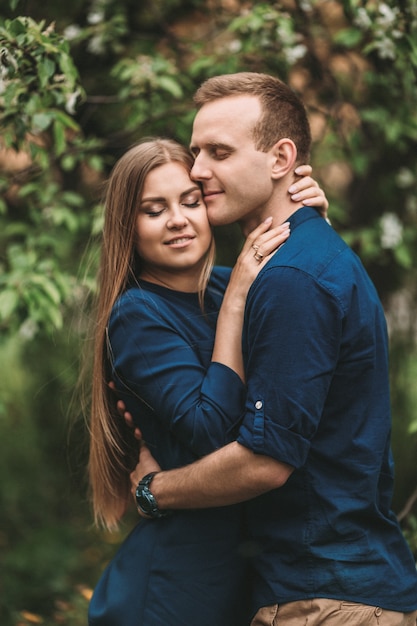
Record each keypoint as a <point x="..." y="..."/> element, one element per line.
<point x="173" y="234"/>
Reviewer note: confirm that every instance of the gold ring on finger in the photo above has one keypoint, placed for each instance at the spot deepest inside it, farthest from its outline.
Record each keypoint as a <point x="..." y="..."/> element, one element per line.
<point x="258" y="256"/>
<point x="255" y="247"/>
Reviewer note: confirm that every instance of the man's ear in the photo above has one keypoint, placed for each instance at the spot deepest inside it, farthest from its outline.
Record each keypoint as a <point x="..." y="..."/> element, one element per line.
<point x="284" y="155"/>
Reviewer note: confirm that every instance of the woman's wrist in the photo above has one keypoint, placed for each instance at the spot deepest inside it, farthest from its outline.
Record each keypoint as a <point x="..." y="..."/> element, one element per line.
<point x="233" y="304"/>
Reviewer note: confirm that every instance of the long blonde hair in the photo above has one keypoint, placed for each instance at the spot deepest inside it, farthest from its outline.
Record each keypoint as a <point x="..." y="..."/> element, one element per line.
<point x="113" y="452"/>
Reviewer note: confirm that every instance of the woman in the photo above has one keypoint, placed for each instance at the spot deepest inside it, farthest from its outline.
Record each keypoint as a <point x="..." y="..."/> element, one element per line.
<point x="168" y="333"/>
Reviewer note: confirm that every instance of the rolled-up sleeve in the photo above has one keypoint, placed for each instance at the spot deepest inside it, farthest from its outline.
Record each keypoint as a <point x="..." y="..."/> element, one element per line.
<point x="293" y="329"/>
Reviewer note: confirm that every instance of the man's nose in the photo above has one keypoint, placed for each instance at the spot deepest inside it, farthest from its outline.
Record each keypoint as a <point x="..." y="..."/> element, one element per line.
<point x="200" y="170"/>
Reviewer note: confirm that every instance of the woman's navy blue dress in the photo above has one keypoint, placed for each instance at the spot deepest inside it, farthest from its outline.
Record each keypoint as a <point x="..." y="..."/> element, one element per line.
<point x="186" y="569"/>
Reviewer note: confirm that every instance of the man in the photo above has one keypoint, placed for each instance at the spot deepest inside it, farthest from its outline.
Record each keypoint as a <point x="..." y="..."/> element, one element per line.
<point x="312" y="456"/>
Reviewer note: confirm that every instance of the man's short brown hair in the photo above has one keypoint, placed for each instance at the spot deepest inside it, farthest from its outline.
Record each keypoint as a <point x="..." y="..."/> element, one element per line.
<point x="283" y="113"/>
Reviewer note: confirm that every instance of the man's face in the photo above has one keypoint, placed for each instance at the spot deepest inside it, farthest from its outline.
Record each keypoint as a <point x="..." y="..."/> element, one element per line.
<point x="236" y="178"/>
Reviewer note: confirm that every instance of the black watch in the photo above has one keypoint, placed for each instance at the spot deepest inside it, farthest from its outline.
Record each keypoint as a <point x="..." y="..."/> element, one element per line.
<point x="145" y="500"/>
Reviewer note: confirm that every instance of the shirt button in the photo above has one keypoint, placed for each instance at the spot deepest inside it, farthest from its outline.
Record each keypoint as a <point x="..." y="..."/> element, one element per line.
<point x="258" y="405"/>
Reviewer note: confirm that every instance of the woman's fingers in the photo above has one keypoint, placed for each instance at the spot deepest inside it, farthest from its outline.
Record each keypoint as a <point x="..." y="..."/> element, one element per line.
<point x="263" y="233"/>
<point x="269" y="247"/>
<point x="268" y="242"/>
<point x="304" y="184"/>
<point x="257" y="232"/>
<point x="303" y="170"/>
<point x="307" y="190"/>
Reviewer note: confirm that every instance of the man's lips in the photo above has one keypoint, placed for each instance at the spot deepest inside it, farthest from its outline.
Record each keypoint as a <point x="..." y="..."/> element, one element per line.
<point x="209" y="194"/>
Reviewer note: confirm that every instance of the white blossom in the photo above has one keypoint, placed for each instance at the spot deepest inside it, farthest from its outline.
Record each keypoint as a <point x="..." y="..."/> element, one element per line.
<point x="387" y="15"/>
<point x="72" y="101"/>
<point x="28" y="329"/>
<point x="405" y="178"/>
<point x="385" y="48"/>
<point x="95" y="17"/>
<point x="362" y="19"/>
<point x="235" y="46"/>
<point x="285" y="35"/>
<point x="6" y="58"/>
<point x="295" y="53"/>
<point x="392" y="230"/>
<point x="96" y="45"/>
<point x="306" y="5"/>
<point x="72" y="32"/>
<point x="411" y="204"/>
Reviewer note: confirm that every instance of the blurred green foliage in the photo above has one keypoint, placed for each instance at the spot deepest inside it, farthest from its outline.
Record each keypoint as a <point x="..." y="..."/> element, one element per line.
<point x="79" y="84"/>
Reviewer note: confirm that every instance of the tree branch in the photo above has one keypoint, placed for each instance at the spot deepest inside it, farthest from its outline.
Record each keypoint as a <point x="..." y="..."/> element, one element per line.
<point x="408" y="506"/>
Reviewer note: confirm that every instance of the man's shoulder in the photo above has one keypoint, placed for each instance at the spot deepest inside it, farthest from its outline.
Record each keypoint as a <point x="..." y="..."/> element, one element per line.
<point x="313" y="247"/>
<point x="314" y="263"/>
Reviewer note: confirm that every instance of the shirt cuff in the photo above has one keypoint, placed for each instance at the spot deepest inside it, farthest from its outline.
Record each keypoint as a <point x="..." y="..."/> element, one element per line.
<point x="268" y="438"/>
<point x="223" y="385"/>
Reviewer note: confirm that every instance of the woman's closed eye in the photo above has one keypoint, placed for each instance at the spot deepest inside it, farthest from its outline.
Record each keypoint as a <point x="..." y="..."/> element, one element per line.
<point x="192" y="201"/>
<point x="154" y="209"/>
<point x="191" y="205"/>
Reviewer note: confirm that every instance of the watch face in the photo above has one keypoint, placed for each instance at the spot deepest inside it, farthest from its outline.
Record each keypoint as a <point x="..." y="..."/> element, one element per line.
<point x="143" y="500"/>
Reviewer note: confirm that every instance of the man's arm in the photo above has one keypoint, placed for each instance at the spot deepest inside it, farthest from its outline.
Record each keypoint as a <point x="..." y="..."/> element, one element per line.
<point x="229" y="475"/>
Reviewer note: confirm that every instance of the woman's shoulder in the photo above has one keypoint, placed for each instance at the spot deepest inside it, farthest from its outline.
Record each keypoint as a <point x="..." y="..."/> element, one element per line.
<point x="133" y="294"/>
<point x="146" y="299"/>
<point x="136" y="301"/>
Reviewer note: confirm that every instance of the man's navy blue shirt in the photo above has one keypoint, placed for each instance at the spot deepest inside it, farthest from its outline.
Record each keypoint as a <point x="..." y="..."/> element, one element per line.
<point x="316" y="353"/>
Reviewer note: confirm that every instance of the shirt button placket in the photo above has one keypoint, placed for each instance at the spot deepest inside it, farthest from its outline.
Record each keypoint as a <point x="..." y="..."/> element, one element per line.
<point x="259" y="425"/>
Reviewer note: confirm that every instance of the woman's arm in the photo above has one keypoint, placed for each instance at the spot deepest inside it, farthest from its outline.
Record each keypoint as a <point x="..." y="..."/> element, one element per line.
<point x="258" y="248"/>
<point x="164" y="377"/>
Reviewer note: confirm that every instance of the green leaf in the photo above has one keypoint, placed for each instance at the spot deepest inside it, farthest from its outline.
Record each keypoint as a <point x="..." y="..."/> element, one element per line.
<point x="42" y="310"/>
<point x="95" y="162"/>
<point x="21" y="259"/>
<point x="68" y="68"/>
<point x="66" y="120"/>
<point x="9" y="300"/>
<point x="403" y="256"/>
<point x="348" y="37"/>
<point x="62" y="216"/>
<point x="59" y="137"/>
<point x="41" y="121"/>
<point x="46" y="69"/>
<point x="169" y="84"/>
<point x="47" y="286"/>
<point x="16" y="27"/>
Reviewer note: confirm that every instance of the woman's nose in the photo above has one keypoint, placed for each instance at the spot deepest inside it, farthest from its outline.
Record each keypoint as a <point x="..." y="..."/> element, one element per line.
<point x="177" y="218"/>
